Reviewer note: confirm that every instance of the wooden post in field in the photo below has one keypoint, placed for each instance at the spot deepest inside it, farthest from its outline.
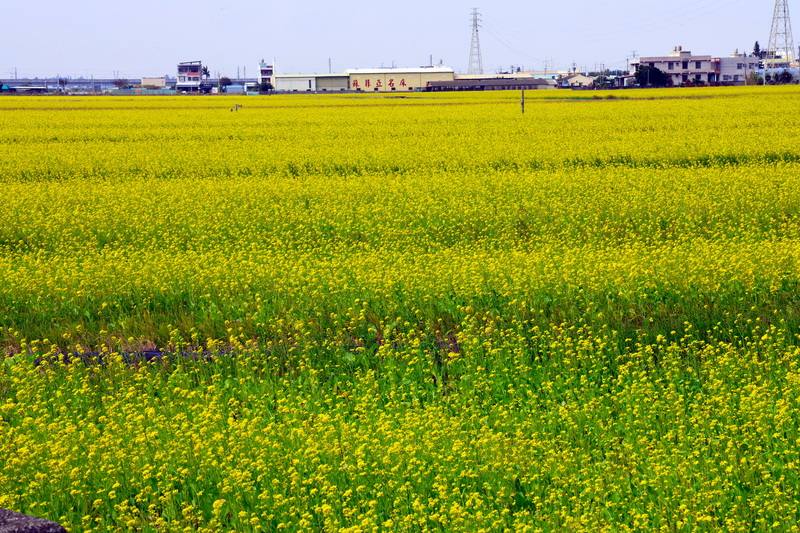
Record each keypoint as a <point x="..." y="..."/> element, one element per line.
<point x="522" y="102"/>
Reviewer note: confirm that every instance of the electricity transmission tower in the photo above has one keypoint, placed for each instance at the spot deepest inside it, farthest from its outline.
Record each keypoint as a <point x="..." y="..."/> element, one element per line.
<point x="781" y="41"/>
<point x="475" y="57"/>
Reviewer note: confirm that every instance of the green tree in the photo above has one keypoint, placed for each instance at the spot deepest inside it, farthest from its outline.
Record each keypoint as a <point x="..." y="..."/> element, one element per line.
<point x="754" y="79"/>
<point x="757" y="52"/>
<point x="647" y="76"/>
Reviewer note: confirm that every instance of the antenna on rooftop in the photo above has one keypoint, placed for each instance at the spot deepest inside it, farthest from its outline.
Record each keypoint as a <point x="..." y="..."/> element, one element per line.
<point x="781" y="42"/>
<point x="475" y="57"/>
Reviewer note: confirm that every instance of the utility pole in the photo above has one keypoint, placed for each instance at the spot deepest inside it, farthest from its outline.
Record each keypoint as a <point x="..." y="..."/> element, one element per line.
<point x="522" y="102"/>
<point x="330" y="66"/>
<point x="475" y="56"/>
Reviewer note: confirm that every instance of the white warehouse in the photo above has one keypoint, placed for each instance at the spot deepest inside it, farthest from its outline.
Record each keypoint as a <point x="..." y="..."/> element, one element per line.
<point x="295" y="82"/>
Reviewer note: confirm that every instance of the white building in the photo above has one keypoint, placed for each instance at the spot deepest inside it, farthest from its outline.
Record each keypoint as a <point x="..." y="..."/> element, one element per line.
<point x="190" y="77"/>
<point x="365" y="80"/>
<point x="154" y="82"/>
<point x="737" y="68"/>
<point x="397" y="79"/>
<point x="266" y="73"/>
<point x="681" y="66"/>
<point x="295" y="82"/>
<point x="578" y="81"/>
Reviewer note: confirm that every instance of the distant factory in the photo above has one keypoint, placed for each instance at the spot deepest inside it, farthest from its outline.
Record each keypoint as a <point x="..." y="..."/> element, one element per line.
<point x="778" y="63"/>
<point x="400" y="80"/>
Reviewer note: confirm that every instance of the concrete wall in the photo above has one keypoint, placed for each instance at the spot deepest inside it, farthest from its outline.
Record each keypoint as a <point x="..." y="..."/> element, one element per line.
<point x="396" y="80"/>
<point x="154" y="83"/>
<point x="295" y="83"/>
<point x="736" y="69"/>
<point x="333" y="83"/>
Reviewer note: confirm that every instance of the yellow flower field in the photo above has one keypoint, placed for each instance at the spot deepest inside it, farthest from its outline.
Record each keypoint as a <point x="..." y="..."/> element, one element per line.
<point x="427" y="312"/>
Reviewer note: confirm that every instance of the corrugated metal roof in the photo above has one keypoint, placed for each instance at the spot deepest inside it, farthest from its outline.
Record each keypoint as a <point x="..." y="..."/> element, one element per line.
<point x="340" y="75"/>
<point x="492" y="82"/>
<point x="416" y="70"/>
<point x="673" y="59"/>
<point x="300" y="76"/>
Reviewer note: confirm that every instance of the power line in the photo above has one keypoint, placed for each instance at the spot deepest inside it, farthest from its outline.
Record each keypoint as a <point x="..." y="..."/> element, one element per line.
<point x="512" y="48"/>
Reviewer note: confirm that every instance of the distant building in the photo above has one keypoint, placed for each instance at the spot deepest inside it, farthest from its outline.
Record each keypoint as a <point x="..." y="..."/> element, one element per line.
<point x="549" y="74"/>
<point x="236" y="88"/>
<point x="295" y="83"/>
<point x="776" y="62"/>
<point x="472" y="83"/>
<point x="333" y="82"/>
<point x="154" y="83"/>
<point x="190" y="78"/>
<point x="30" y="89"/>
<point x="623" y="81"/>
<point x="364" y="80"/>
<point x="578" y="81"/>
<point x="312" y="82"/>
<point x="682" y="67"/>
<point x="737" y="68"/>
<point x="266" y="73"/>
<point x="397" y="79"/>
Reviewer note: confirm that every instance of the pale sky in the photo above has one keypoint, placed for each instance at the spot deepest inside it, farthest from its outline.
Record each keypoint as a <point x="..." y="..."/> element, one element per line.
<point x="148" y="37"/>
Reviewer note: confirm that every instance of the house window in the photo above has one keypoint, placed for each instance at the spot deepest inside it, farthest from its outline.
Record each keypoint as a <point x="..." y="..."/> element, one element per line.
<point x="739" y="66"/>
<point x="698" y="64"/>
<point x="671" y="66"/>
<point x="698" y="77"/>
<point x="685" y="65"/>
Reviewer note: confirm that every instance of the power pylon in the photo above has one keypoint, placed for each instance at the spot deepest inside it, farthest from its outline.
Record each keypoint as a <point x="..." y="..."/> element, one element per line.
<point x="475" y="57"/>
<point x="781" y="42"/>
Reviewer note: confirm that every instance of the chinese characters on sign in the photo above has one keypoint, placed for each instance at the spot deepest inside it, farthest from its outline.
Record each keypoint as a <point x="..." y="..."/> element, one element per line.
<point x="378" y="84"/>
